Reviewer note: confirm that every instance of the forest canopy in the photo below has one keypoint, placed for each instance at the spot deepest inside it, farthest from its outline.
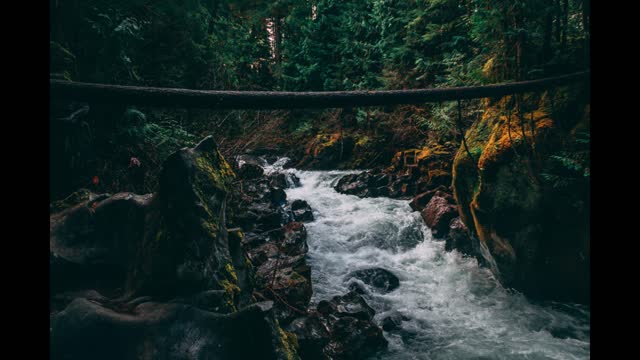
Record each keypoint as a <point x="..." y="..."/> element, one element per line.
<point x="300" y="45"/>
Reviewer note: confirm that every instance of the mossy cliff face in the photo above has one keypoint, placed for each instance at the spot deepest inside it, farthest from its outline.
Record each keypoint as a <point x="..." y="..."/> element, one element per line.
<point x="536" y="235"/>
<point x="185" y="248"/>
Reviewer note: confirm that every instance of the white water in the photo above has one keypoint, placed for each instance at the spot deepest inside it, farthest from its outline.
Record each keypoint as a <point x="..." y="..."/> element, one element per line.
<point x="456" y="309"/>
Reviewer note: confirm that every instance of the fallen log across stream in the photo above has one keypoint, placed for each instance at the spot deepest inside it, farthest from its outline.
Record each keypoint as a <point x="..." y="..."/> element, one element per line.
<point x="222" y="99"/>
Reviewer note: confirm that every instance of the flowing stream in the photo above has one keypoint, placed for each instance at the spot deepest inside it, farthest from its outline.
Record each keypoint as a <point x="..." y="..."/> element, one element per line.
<point x="456" y="310"/>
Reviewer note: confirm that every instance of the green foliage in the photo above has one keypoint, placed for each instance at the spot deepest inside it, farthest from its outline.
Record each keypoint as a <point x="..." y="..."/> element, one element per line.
<point x="164" y="136"/>
<point x="367" y="116"/>
<point x="442" y="118"/>
<point x="304" y="128"/>
<point x="305" y="45"/>
<point x="336" y="50"/>
<point x="571" y="167"/>
<point x="322" y="44"/>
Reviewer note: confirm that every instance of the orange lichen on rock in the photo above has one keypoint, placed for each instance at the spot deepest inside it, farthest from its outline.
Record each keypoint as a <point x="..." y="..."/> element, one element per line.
<point x="507" y="134"/>
<point x="322" y="141"/>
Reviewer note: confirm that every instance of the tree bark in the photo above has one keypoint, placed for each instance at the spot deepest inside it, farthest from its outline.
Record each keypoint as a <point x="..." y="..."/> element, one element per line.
<point x="546" y="35"/>
<point x="217" y="99"/>
<point x="565" y="24"/>
<point x="277" y="37"/>
<point x="558" y="21"/>
<point x="520" y="44"/>
<point x="586" y="15"/>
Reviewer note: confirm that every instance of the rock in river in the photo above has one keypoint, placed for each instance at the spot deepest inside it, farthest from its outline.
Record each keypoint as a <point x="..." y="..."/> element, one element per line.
<point x="381" y="279"/>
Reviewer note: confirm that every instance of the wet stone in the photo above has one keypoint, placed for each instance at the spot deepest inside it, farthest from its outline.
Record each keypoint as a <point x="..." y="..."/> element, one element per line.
<point x="381" y="279"/>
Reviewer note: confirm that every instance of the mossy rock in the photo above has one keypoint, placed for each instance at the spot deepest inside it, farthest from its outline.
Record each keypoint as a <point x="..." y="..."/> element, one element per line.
<point x="186" y="248"/>
<point x="501" y="197"/>
<point x="90" y="329"/>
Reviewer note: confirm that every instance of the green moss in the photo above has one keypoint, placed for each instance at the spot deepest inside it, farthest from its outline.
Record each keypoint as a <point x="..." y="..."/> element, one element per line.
<point x="214" y="170"/>
<point x="289" y="342"/>
<point x="362" y="141"/>
<point x="214" y="175"/>
<point x="231" y="291"/>
<point x="247" y="263"/>
<point x="231" y="273"/>
<point x="211" y="226"/>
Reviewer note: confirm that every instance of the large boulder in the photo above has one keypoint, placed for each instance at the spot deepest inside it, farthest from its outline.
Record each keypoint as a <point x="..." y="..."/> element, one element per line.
<point x="460" y="238"/>
<point x="393" y="321"/>
<point x="420" y="201"/>
<point x="349" y="305"/>
<point x="92" y="243"/>
<point x="185" y="248"/>
<point x="372" y="183"/>
<point x="301" y="210"/>
<point x="341" y="328"/>
<point x="312" y="334"/>
<point x="142" y="329"/>
<point x="279" y="180"/>
<point x="438" y="214"/>
<point x="535" y="232"/>
<point x="381" y="279"/>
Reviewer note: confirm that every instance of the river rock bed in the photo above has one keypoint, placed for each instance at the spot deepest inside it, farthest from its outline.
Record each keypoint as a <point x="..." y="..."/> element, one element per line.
<point x="273" y="263"/>
<point x="277" y="247"/>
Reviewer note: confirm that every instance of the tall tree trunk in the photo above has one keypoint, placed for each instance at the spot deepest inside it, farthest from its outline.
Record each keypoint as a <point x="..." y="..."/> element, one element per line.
<point x="558" y="28"/>
<point x="565" y="24"/>
<point x="586" y="25"/>
<point x="520" y="44"/>
<point x="546" y="35"/>
<point x="519" y="65"/>
<point x="277" y="37"/>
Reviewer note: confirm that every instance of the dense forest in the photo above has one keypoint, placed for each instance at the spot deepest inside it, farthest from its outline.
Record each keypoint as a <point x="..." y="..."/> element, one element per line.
<point x="222" y="211"/>
<point x="300" y="46"/>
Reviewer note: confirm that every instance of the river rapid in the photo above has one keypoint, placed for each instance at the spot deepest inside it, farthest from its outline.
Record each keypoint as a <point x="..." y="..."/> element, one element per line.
<point x="456" y="310"/>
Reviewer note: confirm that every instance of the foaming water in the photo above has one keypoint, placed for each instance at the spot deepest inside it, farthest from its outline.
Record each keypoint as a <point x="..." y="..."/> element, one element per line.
<point x="456" y="310"/>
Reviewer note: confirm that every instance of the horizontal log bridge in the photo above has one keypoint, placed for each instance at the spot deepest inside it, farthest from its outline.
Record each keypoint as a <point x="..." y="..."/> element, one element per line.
<point x="220" y="99"/>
